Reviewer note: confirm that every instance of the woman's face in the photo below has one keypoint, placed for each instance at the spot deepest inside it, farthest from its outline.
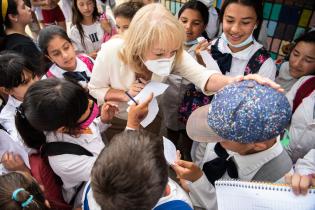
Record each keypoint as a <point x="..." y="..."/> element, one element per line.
<point x="302" y="60"/>
<point x="61" y="52"/>
<point x="86" y="7"/>
<point x="24" y="13"/>
<point x="193" y="23"/>
<point x="239" y="22"/>
<point x="157" y="52"/>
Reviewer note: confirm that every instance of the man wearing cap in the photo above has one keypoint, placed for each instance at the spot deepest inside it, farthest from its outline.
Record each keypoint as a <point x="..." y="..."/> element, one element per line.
<point x="242" y="124"/>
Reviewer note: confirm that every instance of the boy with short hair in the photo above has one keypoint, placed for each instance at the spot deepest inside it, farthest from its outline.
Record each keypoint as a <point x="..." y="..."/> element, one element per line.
<point x="17" y="75"/>
<point x="132" y="174"/>
<point x="243" y="121"/>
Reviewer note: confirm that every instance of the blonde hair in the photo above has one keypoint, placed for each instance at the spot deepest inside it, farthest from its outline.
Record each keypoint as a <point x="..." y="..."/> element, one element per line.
<point x="153" y="24"/>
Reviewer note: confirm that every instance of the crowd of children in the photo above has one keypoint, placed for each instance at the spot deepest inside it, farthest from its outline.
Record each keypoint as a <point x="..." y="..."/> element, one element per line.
<point x="229" y="109"/>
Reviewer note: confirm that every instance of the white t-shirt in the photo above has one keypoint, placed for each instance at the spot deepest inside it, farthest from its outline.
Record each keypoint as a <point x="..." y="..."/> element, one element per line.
<point x="93" y="37"/>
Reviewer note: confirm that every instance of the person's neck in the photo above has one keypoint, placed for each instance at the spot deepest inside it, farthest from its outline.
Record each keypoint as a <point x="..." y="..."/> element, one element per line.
<point x="16" y="29"/>
<point x="87" y="21"/>
<point x="238" y="49"/>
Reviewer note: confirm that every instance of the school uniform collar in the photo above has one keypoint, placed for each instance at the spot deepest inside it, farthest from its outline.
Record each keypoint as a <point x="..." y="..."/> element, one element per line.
<point x="81" y="67"/>
<point x="13" y="102"/>
<point x="284" y="72"/>
<point x="244" y="54"/>
<point x="249" y="164"/>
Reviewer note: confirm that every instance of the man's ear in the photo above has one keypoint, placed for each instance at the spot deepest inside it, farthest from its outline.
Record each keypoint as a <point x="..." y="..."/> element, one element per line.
<point x="167" y="190"/>
<point x="13" y="18"/>
<point x="260" y="147"/>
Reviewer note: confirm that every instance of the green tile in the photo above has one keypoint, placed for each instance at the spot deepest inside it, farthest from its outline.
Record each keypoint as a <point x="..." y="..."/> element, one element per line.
<point x="275" y="11"/>
<point x="267" y="10"/>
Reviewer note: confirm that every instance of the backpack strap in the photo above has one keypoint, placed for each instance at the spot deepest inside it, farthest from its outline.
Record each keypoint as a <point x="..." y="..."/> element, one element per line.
<point x="88" y="61"/>
<point x="275" y="169"/>
<point x="256" y="61"/>
<point x="60" y="148"/>
<point x="304" y="90"/>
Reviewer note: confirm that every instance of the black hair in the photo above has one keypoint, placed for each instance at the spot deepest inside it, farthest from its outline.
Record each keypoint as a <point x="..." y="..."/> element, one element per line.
<point x="15" y="180"/>
<point x="6" y="22"/>
<point x="128" y="9"/>
<point x="47" y="106"/>
<point x="12" y="69"/>
<point x="77" y="18"/>
<point x="308" y="37"/>
<point x="257" y="5"/>
<point x="49" y="33"/>
<point x="131" y="173"/>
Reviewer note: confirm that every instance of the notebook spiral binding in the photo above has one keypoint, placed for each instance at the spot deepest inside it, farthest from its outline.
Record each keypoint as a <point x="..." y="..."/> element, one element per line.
<point x="257" y="185"/>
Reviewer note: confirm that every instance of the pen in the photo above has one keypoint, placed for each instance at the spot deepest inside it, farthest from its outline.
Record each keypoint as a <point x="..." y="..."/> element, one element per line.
<point x="131" y="97"/>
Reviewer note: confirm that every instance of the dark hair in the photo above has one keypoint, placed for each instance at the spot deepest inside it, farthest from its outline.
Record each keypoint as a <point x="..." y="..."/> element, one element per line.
<point x="15" y="180"/>
<point x="257" y="5"/>
<point x="5" y="22"/>
<point x="77" y="18"/>
<point x="198" y="6"/>
<point x="131" y="173"/>
<point x="12" y="68"/>
<point x="48" y="33"/>
<point x="48" y="105"/>
<point x="128" y="9"/>
<point x="308" y="37"/>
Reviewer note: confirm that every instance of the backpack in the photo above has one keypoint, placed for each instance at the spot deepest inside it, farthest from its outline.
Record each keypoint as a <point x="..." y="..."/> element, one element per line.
<point x="42" y="172"/>
<point x="88" y="62"/>
<point x="194" y="98"/>
<point x="304" y="91"/>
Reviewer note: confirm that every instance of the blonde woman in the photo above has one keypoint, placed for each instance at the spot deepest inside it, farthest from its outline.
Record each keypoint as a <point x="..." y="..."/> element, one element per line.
<point x="151" y="49"/>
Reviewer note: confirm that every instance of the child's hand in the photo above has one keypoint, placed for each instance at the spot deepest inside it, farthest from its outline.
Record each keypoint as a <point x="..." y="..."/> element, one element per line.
<point x="184" y="184"/>
<point x="300" y="183"/>
<point x="203" y="45"/>
<point x="187" y="170"/>
<point x="136" y="87"/>
<point x="93" y="54"/>
<point x="13" y="162"/>
<point x="106" y="26"/>
<point x="108" y="111"/>
<point x="138" y="112"/>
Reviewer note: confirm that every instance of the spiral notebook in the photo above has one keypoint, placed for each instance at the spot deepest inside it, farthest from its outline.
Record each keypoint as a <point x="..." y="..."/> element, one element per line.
<point x="241" y="195"/>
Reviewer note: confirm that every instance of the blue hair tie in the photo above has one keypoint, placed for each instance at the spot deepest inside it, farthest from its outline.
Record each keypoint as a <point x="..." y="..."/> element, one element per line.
<point x="25" y="203"/>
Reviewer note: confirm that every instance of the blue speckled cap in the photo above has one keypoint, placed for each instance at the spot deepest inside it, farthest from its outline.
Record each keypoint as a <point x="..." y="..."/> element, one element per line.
<point x="245" y="112"/>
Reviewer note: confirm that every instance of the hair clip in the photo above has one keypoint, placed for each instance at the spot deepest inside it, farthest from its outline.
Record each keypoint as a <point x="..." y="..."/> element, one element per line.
<point x="20" y="110"/>
<point x="25" y="203"/>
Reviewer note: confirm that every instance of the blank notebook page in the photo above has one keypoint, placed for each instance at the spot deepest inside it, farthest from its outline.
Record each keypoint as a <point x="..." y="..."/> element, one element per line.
<point x="241" y="195"/>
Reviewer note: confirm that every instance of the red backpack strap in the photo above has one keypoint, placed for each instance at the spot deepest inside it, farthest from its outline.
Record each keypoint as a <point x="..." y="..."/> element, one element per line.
<point x="88" y="61"/>
<point x="304" y="90"/>
<point x="49" y="74"/>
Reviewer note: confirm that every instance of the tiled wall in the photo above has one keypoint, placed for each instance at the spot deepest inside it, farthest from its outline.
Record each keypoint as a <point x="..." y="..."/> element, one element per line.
<point x="285" y="20"/>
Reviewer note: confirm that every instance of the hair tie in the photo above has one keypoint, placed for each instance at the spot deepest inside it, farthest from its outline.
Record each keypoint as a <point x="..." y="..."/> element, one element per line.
<point x="25" y="203"/>
<point x="20" y="110"/>
<point x="4" y="9"/>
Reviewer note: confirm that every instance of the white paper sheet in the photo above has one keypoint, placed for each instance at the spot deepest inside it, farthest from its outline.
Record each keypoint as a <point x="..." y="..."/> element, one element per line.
<point x="169" y="151"/>
<point x="157" y="89"/>
<point x="8" y="145"/>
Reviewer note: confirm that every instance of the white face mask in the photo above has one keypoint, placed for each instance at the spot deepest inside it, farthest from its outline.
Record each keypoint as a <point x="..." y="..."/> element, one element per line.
<point x="208" y="3"/>
<point x="242" y="44"/>
<point x="161" y="67"/>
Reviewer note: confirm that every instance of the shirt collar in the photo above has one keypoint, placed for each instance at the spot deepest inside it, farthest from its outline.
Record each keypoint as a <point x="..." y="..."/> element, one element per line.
<point x="81" y="67"/>
<point x="244" y="54"/>
<point x="14" y="102"/>
<point x="248" y="164"/>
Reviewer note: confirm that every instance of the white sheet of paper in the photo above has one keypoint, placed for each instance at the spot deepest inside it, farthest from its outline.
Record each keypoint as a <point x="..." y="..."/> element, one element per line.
<point x="153" y="111"/>
<point x="8" y="145"/>
<point x="169" y="151"/>
<point x="157" y="88"/>
<point x="208" y="60"/>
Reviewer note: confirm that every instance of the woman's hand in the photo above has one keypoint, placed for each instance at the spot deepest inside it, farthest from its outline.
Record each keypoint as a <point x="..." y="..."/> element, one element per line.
<point x="136" y="87"/>
<point x="138" y="112"/>
<point x="300" y="183"/>
<point x="108" y="111"/>
<point x="13" y="162"/>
